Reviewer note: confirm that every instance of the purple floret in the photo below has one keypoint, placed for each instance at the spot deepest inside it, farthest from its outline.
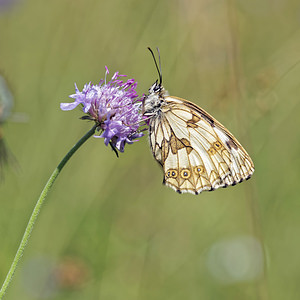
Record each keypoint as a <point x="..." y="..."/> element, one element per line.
<point x="114" y="106"/>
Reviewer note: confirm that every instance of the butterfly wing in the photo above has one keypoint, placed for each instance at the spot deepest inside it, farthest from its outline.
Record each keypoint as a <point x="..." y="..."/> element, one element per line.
<point x="196" y="152"/>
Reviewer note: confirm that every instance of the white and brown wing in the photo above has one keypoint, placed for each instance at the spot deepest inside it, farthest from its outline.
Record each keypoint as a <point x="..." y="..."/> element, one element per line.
<point x="196" y="152"/>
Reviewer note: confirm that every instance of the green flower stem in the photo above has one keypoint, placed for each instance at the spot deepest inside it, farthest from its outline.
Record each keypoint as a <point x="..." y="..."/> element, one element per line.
<point x="37" y="208"/>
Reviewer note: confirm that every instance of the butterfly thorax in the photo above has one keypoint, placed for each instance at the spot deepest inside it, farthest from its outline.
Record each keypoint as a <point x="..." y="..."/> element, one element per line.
<point x="155" y="100"/>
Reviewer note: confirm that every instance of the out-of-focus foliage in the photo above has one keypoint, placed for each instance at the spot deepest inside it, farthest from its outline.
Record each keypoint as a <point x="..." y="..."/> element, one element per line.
<point x="109" y="229"/>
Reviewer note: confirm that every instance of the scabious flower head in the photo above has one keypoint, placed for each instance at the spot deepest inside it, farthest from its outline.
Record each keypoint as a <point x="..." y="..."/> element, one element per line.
<point x="114" y="106"/>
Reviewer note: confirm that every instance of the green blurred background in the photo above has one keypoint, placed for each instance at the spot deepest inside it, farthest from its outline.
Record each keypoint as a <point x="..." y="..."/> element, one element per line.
<point x="109" y="229"/>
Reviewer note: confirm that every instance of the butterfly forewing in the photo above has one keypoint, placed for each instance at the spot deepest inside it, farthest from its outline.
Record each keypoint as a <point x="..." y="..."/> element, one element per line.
<point x="196" y="152"/>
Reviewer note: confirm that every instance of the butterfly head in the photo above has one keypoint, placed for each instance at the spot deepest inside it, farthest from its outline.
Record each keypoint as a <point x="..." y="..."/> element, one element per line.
<point x="155" y="88"/>
<point x="154" y="100"/>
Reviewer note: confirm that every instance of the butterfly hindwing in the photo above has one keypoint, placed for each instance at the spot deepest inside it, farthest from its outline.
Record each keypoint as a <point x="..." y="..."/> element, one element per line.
<point x="196" y="152"/>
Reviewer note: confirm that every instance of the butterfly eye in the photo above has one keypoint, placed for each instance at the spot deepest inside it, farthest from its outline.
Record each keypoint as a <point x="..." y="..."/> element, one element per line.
<point x="157" y="88"/>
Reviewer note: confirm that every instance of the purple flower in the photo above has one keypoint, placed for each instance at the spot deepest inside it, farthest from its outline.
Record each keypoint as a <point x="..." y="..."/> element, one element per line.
<point x="114" y="106"/>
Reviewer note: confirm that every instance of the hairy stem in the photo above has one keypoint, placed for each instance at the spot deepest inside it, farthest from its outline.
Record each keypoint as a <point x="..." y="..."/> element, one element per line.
<point x="37" y="208"/>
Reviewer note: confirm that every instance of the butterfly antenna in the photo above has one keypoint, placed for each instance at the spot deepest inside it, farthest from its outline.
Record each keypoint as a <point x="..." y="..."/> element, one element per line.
<point x="159" y="61"/>
<point x="157" y="68"/>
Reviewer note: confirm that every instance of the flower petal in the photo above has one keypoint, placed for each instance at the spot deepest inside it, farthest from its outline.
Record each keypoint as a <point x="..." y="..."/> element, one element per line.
<point x="68" y="106"/>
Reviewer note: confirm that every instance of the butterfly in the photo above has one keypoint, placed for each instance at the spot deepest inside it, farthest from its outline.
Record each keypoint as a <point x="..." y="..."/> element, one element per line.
<point x="196" y="152"/>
